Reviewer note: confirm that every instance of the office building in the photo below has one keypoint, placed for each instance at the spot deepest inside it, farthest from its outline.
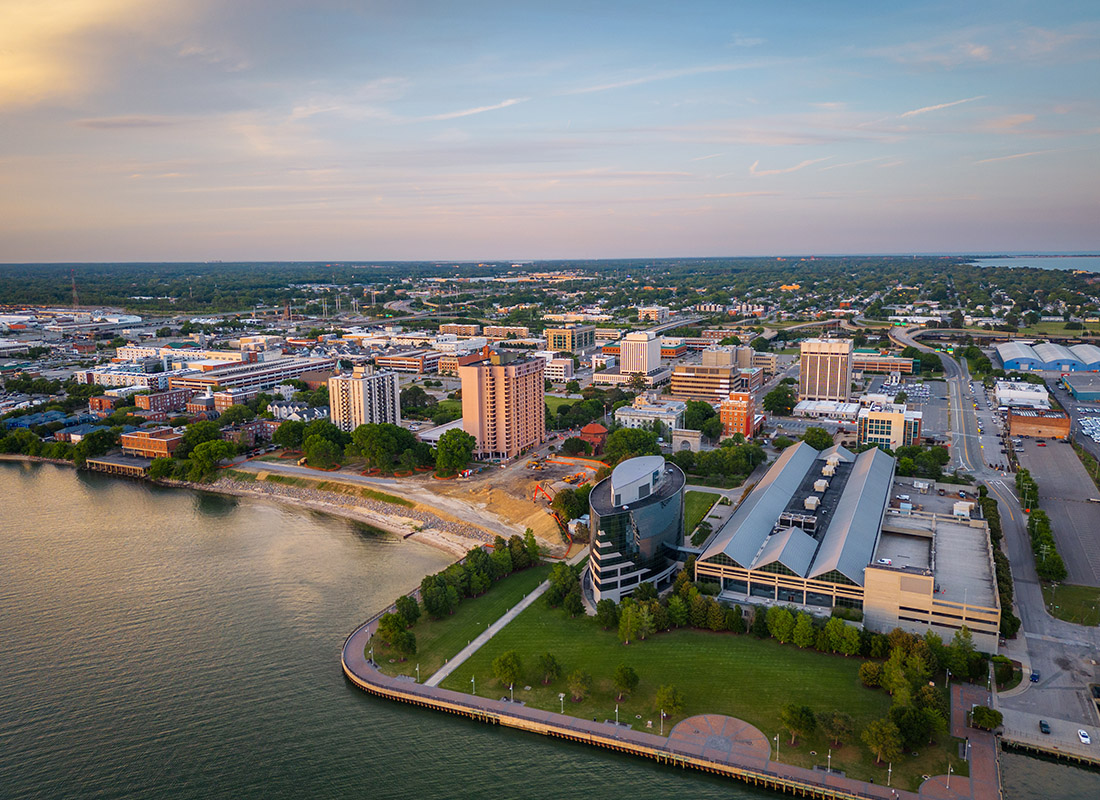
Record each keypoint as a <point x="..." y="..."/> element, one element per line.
<point x="889" y="425"/>
<point x="738" y="414"/>
<point x="260" y="375"/>
<point x="636" y="521"/>
<point x="417" y="362"/>
<point x="1018" y="394"/>
<point x="705" y="383"/>
<point x="639" y="352"/>
<point x="364" y="397"/>
<point x="172" y="400"/>
<point x="559" y="370"/>
<point x="503" y="405"/>
<point x="730" y="356"/>
<point x="570" y="338"/>
<point x="874" y="361"/>
<point x="825" y="370"/>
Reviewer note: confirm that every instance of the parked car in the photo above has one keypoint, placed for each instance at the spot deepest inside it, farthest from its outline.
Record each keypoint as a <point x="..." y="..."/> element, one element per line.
<point x="1084" y="737"/>
<point x="1041" y="444"/>
<point x="1035" y="676"/>
<point x="1044" y="727"/>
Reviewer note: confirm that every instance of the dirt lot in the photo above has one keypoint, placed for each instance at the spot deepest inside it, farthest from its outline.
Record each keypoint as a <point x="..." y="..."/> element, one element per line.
<point x="508" y="492"/>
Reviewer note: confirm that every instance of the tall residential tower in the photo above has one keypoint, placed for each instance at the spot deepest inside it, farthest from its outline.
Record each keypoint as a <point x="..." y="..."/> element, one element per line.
<point x="825" y="370"/>
<point x="362" y="397"/>
<point x="503" y="404"/>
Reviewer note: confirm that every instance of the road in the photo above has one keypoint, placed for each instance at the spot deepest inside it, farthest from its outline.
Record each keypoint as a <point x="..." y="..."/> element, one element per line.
<point x="1064" y="654"/>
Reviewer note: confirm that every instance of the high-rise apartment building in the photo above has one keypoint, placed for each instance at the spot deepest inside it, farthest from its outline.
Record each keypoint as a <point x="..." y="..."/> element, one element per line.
<point x="364" y="397"/>
<point x="738" y="414"/>
<point x="503" y="404"/>
<point x="639" y="352"/>
<point x="825" y="370"/>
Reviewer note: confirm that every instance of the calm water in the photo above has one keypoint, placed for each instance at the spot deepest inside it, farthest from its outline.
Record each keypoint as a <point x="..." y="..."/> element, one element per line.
<point x="158" y="643"/>
<point x="1087" y="263"/>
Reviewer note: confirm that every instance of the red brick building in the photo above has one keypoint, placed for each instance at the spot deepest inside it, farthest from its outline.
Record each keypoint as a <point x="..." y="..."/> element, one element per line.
<point x="596" y="435"/>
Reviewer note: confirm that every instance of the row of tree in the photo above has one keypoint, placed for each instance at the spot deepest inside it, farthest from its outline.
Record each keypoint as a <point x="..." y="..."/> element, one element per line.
<point x="1010" y="623"/>
<point x="1048" y="561"/>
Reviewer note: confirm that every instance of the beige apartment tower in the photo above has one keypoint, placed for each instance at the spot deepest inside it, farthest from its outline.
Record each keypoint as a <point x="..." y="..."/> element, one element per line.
<point x="364" y="397"/>
<point x="503" y="404"/>
<point x="825" y="370"/>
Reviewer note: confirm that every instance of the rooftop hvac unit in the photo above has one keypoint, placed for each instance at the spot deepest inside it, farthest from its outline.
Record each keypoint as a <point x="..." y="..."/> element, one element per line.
<point x="833" y="460"/>
<point x="811" y="503"/>
<point x="820" y="485"/>
<point x="828" y="470"/>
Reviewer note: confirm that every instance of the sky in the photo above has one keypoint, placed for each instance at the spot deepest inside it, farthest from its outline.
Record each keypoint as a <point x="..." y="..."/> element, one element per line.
<point x="178" y="130"/>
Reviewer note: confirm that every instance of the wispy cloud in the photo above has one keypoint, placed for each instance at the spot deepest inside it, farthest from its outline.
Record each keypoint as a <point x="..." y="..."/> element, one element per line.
<point x="743" y="194"/>
<point x="1013" y="157"/>
<point x="469" y="112"/>
<point x="111" y="123"/>
<point x="853" y="163"/>
<point x="747" y="41"/>
<point x="829" y="106"/>
<point x="918" y="111"/>
<point x="785" y="170"/>
<point x="659" y="76"/>
<point x="1007" y="124"/>
<point x="706" y="158"/>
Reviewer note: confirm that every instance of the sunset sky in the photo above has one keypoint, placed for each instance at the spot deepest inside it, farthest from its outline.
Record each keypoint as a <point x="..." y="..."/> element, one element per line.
<point x="177" y="130"/>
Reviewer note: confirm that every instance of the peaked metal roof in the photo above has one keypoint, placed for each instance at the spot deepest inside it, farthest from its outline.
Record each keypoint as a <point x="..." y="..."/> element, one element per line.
<point x="1013" y="350"/>
<point x="744" y="532"/>
<point x="1052" y="354"/>
<point x="793" y="548"/>
<point x="1088" y="354"/>
<point x="850" y="540"/>
<point x="845" y="454"/>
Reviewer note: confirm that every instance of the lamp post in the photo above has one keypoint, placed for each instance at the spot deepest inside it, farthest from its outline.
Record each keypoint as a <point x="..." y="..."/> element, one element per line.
<point x="889" y="772"/>
<point x="776" y="747"/>
<point x="561" y="696"/>
<point x="372" y="653"/>
<point x="616" y="715"/>
<point x="511" y="694"/>
<point x="949" y="771"/>
<point x="662" y="722"/>
<point x="418" y="673"/>
<point x="829" y="764"/>
<point x="473" y="686"/>
<point x="947" y="680"/>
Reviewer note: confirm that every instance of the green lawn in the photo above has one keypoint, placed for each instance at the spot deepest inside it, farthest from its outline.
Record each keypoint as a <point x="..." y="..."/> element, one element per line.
<point x="438" y="640"/>
<point x="717" y="673"/>
<point x="1077" y="604"/>
<point x="453" y="405"/>
<point x="555" y="402"/>
<point x="696" y="506"/>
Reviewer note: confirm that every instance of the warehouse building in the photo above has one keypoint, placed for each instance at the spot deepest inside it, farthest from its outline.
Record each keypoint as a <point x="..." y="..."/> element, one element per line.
<point x="1049" y="356"/>
<point x="1039" y="423"/>
<point x="1085" y="388"/>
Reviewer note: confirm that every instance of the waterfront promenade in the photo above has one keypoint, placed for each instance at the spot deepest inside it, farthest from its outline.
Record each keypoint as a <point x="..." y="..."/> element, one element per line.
<point x="710" y="743"/>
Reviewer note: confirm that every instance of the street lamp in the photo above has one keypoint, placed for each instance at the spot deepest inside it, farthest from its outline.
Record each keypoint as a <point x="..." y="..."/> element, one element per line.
<point x="511" y="694"/>
<point x="947" y="680"/>
<point x="473" y="686"/>
<point x="776" y="747"/>
<point x="662" y="722"/>
<point x="949" y="771"/>
<point x="829" y="764"/>
<point x="616" y="715"/>
<point x="889" y="772"/>
<point x="418" y="673"/>
<point x="561" y="696"/>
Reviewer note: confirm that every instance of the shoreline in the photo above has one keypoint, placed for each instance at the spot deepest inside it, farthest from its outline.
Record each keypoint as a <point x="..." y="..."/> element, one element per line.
<point x="394" y="524"/>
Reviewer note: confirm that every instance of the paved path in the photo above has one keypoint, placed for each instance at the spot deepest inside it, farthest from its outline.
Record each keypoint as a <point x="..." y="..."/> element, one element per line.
<point x="492" y="630"/>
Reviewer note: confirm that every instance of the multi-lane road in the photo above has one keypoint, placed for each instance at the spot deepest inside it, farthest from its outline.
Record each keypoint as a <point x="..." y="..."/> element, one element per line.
<point x="1064" y="655"/>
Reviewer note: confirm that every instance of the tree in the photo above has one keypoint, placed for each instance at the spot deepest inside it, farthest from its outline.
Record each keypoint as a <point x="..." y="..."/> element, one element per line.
<point x="646" y="624"/>
<point x="882" y="738"/>
<point x="574" y="446"/>
<point x="735" y="620"/>
<point x="289" y="434"/>
<point x="390" y="627"/>
<point x="645" y="592"/>
<point x="630" y="442"/>
<point x="205" y="457"/>
<point x="677" y="611"/>
<point x="549" y="668"/>
<point x="629" y="623"/>
<point x="607" y="614"/>
<point x="160" y="468"/>
<point x="321" y="452"/>
<point x="780" y="401"/>
<point x="453" y="452"/>
<point x="712" y="428"/>
<point x="508" y="668"/>
<point x="669" y="701"/>
<point x="834" y="634"/>
<point x="573" y="604"/>
<point x="196" y="434"/>
<point x="780" y="624"/>
<point x="408" y="608"/>
<point x="696" y="413"/>
<point x="580" y="684"/>
<point x="798" y="720"/>
<point x="404" y="644"/>
<point x="782" y="442"/>
<point x="803" y="635"/>
<point x="837" y="726"/>
<point x="716" y="616"/>
<point x="870" y="674"/>
<point x="235" y="414"/>
<point x="818" y="438"/>
<point x="626" y="681"/>
<point x="760" y="623"/>
<point x="849" y="642"/>
<point x="572" y="387"/>
<point x="986" y="718"/>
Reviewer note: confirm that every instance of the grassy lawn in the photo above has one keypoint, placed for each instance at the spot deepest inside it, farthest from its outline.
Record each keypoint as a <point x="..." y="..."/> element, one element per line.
<point x="1088" y="462"/>
<point x="1077" y="604"/>
<point x="716" y="672"/>
<point x="1052" y="328"/>
<point x="696" y="506"/>
<point x="439" y="640"/>
<point x="334" y="486"/>
<point x="554" y="402"/>
<point x="452" y="405"/>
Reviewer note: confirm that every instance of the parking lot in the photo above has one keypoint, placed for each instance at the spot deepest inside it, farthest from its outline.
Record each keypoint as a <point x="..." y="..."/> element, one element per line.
<point x="1064" y="492"/>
